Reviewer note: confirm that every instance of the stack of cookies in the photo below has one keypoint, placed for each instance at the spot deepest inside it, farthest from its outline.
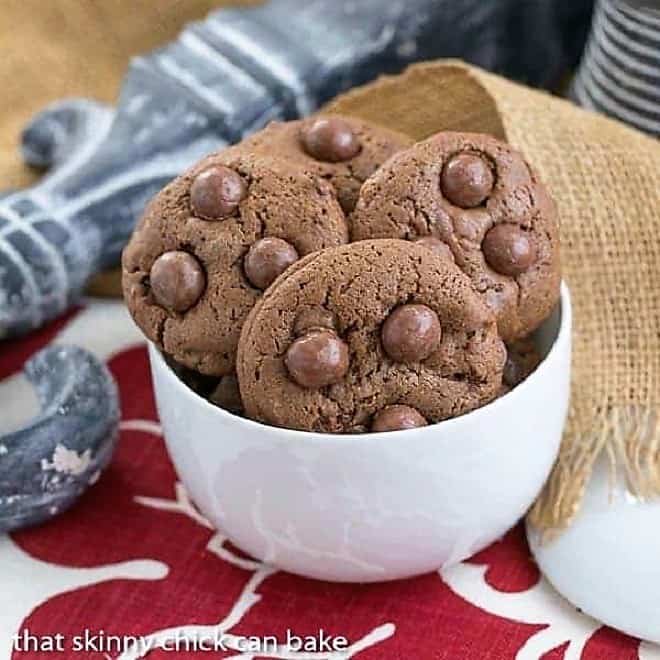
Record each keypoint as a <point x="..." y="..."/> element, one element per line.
<point x="328" y="275"/>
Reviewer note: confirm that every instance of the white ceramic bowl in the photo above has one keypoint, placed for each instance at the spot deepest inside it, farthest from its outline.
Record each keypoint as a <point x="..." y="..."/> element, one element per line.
<point x="380" y="506"/>
<point x="606" y="562"/>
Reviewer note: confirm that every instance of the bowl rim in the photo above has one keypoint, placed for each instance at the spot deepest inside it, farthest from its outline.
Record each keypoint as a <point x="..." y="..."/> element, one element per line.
<point x="472" y="417"/>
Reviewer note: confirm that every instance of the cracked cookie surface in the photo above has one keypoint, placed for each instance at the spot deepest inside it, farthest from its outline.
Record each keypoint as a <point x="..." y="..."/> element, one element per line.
<point x="481" y="199"/>
<point x="185" y="276"/>
<point x="383" y="334"/>
<point x="343" y="150"/>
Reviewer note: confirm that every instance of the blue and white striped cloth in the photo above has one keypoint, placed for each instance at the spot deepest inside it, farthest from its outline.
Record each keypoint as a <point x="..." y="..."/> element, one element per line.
<point x="620" y="71"/>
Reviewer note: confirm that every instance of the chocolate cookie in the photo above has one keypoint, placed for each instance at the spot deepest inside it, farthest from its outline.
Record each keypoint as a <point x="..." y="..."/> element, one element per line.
<point x="213" y="240"/>
<point x="521" y="361"/>
<point x="226" y="394"/>
<point x="222" y="392"/>
<point x="343" y="150"/>
<point x="481" y="200"/>
<point x="377" y="335"/>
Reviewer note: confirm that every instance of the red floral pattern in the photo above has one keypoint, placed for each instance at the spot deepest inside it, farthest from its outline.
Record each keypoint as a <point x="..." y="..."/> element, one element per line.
<point x="109" y="525"/>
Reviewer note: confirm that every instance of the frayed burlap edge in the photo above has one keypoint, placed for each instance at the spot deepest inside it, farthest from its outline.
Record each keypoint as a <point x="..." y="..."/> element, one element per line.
<point x="616" y="354"/>
<point x="629" y="438"/>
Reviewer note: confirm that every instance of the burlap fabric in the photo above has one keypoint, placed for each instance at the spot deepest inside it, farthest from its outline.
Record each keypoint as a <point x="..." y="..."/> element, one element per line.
<point x="606" y="180"/>
<point x="605" y="177"/>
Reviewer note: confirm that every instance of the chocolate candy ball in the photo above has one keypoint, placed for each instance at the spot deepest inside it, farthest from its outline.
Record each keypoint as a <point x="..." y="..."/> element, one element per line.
<point x="466" y="180"/>
<point x="216" y="193"/>
<point x="177" y="281"/>
<point x="435" y="245"/>
<point x="411" y="333"/>
<point x="268" y="258"/>
<point x="317" y="359"/>
<point x="508" y="249"/>
<point x="397" y="418"/>
<point x="330" y="139"/>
